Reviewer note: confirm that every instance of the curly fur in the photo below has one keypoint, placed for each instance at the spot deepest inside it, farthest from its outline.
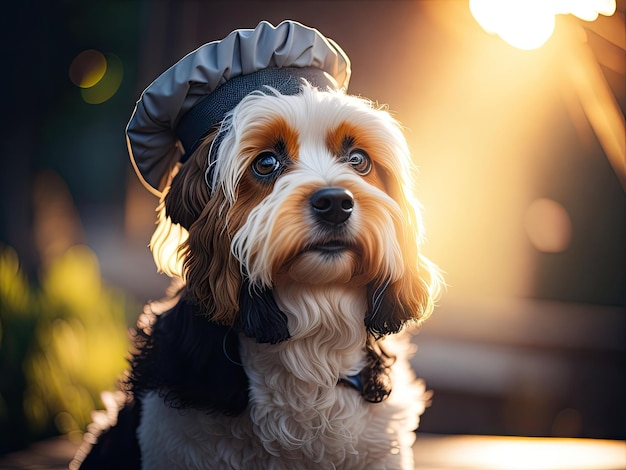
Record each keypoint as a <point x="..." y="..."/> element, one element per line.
<point x="250" y="369"/>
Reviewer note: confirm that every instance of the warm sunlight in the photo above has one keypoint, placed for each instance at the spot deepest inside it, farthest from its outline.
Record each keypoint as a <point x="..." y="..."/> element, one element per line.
<point x="529" y="24"/>
<point x="519" y="453"/>
<point x="502" y="122"/>
<point x="528" y="453"/>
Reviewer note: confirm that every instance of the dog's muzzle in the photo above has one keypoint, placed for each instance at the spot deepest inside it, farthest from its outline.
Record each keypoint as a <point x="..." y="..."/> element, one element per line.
<point x="332" y="205"/>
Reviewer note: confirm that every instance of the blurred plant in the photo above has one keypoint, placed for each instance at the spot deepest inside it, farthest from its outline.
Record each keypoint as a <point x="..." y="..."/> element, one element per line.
<point x="61" y="344"/>
<point x="17" y="323"/>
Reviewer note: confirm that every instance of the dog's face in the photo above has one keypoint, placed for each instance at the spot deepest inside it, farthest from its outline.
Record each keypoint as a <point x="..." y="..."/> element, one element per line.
<point x="313" y="188"/>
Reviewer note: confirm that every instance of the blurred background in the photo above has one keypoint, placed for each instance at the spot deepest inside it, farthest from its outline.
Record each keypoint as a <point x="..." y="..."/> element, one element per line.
<point x="516" y="121"/>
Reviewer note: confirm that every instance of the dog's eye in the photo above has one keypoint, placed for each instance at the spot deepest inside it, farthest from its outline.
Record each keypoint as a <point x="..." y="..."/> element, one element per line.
<point x="360" y="161"/>
<point x="265" y="164"/>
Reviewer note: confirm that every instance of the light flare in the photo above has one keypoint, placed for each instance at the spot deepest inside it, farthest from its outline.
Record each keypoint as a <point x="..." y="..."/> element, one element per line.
<point x="528" y="24"/>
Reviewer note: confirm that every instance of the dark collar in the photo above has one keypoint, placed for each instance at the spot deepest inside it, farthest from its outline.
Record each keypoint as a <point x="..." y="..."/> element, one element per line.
<point x="353" y="381"/>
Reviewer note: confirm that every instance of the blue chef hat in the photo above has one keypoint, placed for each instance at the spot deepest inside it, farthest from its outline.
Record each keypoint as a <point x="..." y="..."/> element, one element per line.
<point x="187" y="100"/>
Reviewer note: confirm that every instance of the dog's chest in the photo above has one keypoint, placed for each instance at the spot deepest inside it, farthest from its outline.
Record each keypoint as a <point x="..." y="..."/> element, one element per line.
<point x="299" y="414"/>
<point x="281" y="438"/>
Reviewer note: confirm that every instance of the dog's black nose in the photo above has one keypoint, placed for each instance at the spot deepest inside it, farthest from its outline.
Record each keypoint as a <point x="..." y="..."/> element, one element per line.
<point x="332" y="205"/>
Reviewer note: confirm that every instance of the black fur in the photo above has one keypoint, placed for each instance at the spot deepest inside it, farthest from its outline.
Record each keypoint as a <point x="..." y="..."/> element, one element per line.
<point x="182" y="203"/>
<point x="375" y="375"/>
<point x="192" y="362"/>
<point x="260" y="316"/>
<point x="117" y="448"/>
<point x="386" y="314"/>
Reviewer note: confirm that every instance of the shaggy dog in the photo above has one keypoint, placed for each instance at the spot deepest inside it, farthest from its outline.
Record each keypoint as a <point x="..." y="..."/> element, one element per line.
<point x="287" y="345"/>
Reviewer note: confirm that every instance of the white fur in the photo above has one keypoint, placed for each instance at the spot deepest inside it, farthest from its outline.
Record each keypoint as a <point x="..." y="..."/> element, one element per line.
<point x="299" y="416"/>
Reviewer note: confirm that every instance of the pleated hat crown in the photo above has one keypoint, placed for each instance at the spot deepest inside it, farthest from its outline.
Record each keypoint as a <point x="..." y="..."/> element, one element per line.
<point x="193" y="96"/>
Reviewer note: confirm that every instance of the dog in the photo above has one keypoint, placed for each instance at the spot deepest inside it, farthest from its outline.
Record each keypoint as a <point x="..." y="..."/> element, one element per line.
<point x="287" y="344"/>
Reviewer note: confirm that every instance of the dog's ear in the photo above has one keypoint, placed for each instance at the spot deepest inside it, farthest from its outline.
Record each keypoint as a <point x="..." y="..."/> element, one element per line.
<point x="212" y="273"/>
<point x="410" y="297"/>
<point x="260" y="316"/>
<point x="202" y="249"/>
<point x="385" y="314"/>
<point x="188" y="194"/>
<point x="183" y="199"/>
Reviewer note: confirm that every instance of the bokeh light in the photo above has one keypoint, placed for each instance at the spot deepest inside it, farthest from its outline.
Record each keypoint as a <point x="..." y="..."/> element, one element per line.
<point x="81" y="341"/>
<point x="98" y="75"/>
<point x="68" y="337"/>
<point x="88" y="68"/>
<point x="548" y="226"/>
<point x="13" y="284"/>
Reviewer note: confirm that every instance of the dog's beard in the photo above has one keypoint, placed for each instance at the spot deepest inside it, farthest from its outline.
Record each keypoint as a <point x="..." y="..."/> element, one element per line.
<point x="316" y="266"/>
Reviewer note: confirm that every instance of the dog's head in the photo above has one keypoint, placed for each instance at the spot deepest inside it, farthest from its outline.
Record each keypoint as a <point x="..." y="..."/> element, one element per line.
<point x="312" y="188"/>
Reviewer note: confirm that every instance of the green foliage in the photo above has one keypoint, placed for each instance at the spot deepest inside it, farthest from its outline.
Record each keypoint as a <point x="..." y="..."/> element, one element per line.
<point x="17" y="324"/>
<point x="61" y="345"/>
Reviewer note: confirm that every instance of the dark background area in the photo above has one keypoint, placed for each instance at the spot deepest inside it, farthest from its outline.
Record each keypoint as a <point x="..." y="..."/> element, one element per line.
<point x="526" y="342"/>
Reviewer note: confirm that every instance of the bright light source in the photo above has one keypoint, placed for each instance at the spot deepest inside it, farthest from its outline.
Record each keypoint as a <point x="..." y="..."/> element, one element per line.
<point x="587" y="10"/>
<point x="525" y="25"/>
<point x="528" y="24"/>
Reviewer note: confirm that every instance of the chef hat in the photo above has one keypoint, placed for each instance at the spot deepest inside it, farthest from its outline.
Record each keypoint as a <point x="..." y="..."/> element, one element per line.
<point x="187" y="100"/>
